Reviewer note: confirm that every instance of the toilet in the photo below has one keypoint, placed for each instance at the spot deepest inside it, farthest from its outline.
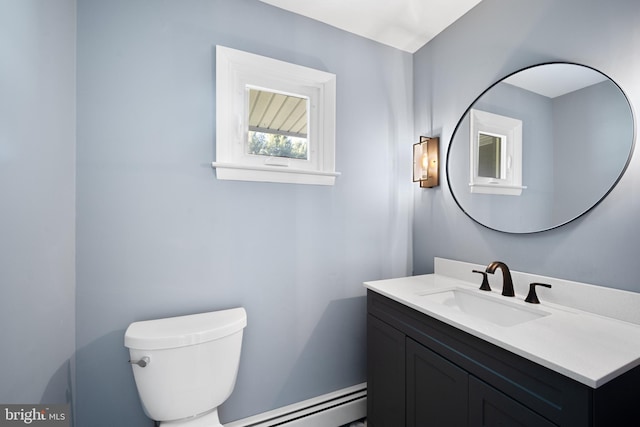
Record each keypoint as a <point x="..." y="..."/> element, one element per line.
<point x="185" y="367"/>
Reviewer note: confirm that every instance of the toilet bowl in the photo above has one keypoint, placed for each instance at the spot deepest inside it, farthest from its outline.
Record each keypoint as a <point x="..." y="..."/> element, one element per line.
<point x="185" y="367"/>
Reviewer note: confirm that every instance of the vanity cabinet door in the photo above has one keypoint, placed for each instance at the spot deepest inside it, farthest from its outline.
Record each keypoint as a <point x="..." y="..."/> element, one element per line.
<point x="385" y="375"/>
<point x="490" y="408"/>
<point x="437" y="390"/>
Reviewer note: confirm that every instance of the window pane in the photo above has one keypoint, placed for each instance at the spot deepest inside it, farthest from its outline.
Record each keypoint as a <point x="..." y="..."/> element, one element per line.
<point x="489" y="155"/>
<point x="277" y="124"/>
<point x="271" y="144"/>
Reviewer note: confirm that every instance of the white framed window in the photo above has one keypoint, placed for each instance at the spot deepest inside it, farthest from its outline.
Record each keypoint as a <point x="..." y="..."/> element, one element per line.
<point x="275" y="121"/>
<point x="495" y="147"/>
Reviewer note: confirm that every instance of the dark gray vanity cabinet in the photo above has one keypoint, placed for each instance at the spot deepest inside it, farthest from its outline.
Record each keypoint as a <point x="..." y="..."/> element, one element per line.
<point x="422" y="372"/>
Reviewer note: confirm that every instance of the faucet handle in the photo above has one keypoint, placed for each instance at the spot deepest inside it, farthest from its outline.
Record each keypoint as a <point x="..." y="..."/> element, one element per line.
<point x="485" y="281"/>
<point x="532" y="297"/>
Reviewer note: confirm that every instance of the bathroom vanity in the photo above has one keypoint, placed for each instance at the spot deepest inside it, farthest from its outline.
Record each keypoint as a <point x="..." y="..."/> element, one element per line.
<point x="432" y="361"/>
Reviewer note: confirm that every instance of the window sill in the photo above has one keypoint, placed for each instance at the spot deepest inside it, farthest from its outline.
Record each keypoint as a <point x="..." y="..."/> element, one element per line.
<point x="505" y="190"/>
<point x="282" y="174"/>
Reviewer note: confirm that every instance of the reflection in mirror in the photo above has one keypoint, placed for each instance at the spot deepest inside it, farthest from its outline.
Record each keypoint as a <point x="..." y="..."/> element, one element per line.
<point x="577" y="139"/>
<point x="277" y="124"/>
<point x="495" y="161"/>
<point x="490" y="155"/>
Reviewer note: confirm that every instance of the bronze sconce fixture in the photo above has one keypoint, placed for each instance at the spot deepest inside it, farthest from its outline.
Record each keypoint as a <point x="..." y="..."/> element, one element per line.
<point x="426" y="161"/>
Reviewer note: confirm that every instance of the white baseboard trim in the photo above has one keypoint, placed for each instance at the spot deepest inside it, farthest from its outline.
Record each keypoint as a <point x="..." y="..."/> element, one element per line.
<point x="330" y="410"/>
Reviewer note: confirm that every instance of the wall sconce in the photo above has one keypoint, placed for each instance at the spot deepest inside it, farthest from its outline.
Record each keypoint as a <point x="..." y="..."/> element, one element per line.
<point x="425" y="161"/>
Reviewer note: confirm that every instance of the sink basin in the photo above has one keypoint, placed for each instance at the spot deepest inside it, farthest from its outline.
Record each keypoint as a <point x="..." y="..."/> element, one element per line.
<point x="491" y="309"/>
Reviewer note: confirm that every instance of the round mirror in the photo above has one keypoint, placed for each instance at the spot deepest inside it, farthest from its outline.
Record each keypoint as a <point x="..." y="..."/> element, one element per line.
<point x="540" y="148"/>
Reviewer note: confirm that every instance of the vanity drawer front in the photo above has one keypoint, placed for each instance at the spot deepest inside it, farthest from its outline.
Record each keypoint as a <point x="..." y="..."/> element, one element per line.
<point x="552" y="395"/>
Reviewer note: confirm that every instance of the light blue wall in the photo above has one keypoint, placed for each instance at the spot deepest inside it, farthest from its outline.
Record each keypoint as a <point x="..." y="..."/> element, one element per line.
<point x="37" y="200"/>
<point x="594" y="124"/>
<point x="494" y="39"/>
<point x="158" y="235"/>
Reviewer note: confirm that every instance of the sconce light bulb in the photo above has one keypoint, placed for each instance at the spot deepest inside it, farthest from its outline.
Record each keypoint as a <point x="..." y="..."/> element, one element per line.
<point x="424" y="166"/>
<point x="425" y="161"/>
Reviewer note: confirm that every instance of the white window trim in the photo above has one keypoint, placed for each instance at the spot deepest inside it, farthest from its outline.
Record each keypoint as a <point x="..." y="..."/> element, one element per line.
<point x="511" y="130"/>
<point x="235" y="71"/>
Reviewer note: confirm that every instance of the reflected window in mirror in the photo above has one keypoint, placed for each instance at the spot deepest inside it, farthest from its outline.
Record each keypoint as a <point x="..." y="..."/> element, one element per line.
<point x="495" y="164"/>
<point x="490" y="155"/>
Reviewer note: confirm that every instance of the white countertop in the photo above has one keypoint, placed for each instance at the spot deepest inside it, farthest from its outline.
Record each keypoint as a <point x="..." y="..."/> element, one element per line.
<point x="587" y="347"/>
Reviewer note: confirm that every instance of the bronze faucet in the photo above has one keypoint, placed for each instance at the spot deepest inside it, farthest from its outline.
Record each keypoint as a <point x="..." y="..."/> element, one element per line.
<point x="507" y="282"/>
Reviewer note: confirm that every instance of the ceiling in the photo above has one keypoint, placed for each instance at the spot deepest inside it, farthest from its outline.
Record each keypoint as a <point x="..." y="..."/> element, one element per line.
<point x="555" y="80"/>
<point x="404" y="24"/>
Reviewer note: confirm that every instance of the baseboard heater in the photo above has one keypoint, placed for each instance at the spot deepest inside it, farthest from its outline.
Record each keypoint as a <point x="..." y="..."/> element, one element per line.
<point x="330" y="410"/>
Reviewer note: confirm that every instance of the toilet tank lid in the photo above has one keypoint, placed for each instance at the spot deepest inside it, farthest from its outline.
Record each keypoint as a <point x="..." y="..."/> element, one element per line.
<point x="182" y="331"/>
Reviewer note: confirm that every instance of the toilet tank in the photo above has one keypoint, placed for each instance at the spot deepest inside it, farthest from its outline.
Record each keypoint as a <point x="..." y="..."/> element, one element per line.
<point x="192" y="361"/>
